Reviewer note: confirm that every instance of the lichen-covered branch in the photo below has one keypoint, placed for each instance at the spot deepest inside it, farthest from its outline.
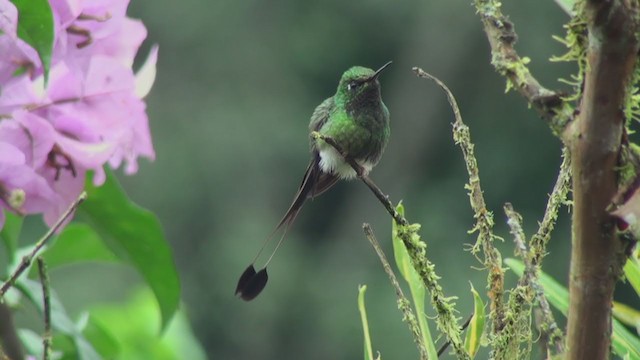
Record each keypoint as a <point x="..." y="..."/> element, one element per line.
<point x="403" y="303"/>
<point x="538" y="244"/>
<point x="445" y="319"/>
<point x="445" y="312"/>
<point x="537" y="250"/>
<point x="502" y="38"/>
<point x="517" y="328"/>
<point x="484" y="218"/>
<point x="594" y="140"/>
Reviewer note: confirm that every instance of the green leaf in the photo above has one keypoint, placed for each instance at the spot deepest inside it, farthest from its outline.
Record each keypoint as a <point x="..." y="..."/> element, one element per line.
<point x="626" y="314"/>
<point x="133" y="325"/>
<point x="476" y="325"/>
<point x="134" y="235"/>
<point x="102" y="339"/>
<point x="624" y="342"/>
<point x="77" y="243"/>
<point x="31" y="341"/>
<point x="368" y="352"/>
<point x="418" y="293"/>
<point x="35" y="27"/>
<point x="399" y="251"/>
<point x="10" y="233"/>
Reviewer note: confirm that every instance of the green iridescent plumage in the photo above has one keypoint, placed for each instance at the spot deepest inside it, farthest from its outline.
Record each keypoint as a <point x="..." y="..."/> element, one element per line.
<point x="357" y="119"/>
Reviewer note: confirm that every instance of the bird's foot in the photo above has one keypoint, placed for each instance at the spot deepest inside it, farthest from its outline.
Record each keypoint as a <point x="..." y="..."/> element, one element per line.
<point x="331" y="141"/>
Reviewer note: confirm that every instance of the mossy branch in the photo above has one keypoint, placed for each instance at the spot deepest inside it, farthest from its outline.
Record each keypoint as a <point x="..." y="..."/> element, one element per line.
<point x="409" y="315"/>
<point x="537" y="250"/>
<point x="484" y="218"/>
<point x="445" y="308"/>
<point x="517" y="328"/>
<point x="502" y="38"/>
<point x="538" y="244"/>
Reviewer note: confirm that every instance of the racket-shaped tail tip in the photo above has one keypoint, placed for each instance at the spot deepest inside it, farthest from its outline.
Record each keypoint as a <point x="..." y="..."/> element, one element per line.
<point x="251" y="283"/>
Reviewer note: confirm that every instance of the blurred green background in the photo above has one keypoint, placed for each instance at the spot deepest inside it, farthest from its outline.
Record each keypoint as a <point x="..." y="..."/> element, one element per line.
<point x="237" y="82"/>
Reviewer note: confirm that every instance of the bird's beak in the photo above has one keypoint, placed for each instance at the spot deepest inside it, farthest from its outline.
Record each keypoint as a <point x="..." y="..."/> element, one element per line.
<point x="375" y="75"/>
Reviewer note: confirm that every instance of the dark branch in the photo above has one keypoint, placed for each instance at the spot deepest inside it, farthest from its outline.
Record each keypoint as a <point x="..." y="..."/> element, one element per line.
<point x="26" y="260"/>
<point x="46" y="298"/>
<point x="597" y="254"/>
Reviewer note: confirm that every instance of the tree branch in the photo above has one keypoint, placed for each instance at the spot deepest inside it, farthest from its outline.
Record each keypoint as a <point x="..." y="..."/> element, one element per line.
<point x="594" y="141"/>
<point x="502" y="38"/>
<point x="403" y="303"/>
<point x="484" y="218"/>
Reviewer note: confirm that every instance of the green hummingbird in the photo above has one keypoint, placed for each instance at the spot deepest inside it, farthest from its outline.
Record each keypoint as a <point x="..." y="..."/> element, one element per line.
<point x="357" y="119"/>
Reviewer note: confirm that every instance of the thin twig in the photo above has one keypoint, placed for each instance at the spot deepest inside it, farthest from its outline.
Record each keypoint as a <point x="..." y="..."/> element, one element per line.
<point x="484" y="218"/>
<point x="384" y="199"/>
<point x="558" y="197"/>
<point x="44" y="279"/>
<point x="403" y="302"/>
<point x="537" y="250"/>
<point x="521" y="297"/>
<point x="514" y="220"/>
<point x="26" y="260"/>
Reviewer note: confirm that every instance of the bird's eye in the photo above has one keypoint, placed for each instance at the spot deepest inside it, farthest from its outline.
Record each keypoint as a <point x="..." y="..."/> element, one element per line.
<point x="352" y="85"/>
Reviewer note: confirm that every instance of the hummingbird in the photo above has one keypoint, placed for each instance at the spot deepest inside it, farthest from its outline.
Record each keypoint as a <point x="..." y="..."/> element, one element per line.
<point x="357" y="119"/>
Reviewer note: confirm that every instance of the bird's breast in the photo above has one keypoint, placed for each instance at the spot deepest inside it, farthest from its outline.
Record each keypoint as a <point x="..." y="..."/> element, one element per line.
<point x="332" y="162"/>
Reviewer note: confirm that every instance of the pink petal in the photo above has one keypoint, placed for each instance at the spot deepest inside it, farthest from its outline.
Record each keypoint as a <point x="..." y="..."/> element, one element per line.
<point x="10" y="155"/>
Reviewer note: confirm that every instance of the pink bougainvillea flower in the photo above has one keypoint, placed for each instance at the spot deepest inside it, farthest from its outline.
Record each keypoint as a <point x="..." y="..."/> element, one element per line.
<point x="105" y="114"/>
<point x="90" y="113"/>
<point x="66" y="11"/>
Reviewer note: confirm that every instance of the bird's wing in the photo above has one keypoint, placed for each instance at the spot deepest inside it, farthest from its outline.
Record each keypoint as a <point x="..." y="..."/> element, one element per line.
<point x="321" y="181"/>
<point x="315" y="181"/>
<point x="321" y="114"/>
